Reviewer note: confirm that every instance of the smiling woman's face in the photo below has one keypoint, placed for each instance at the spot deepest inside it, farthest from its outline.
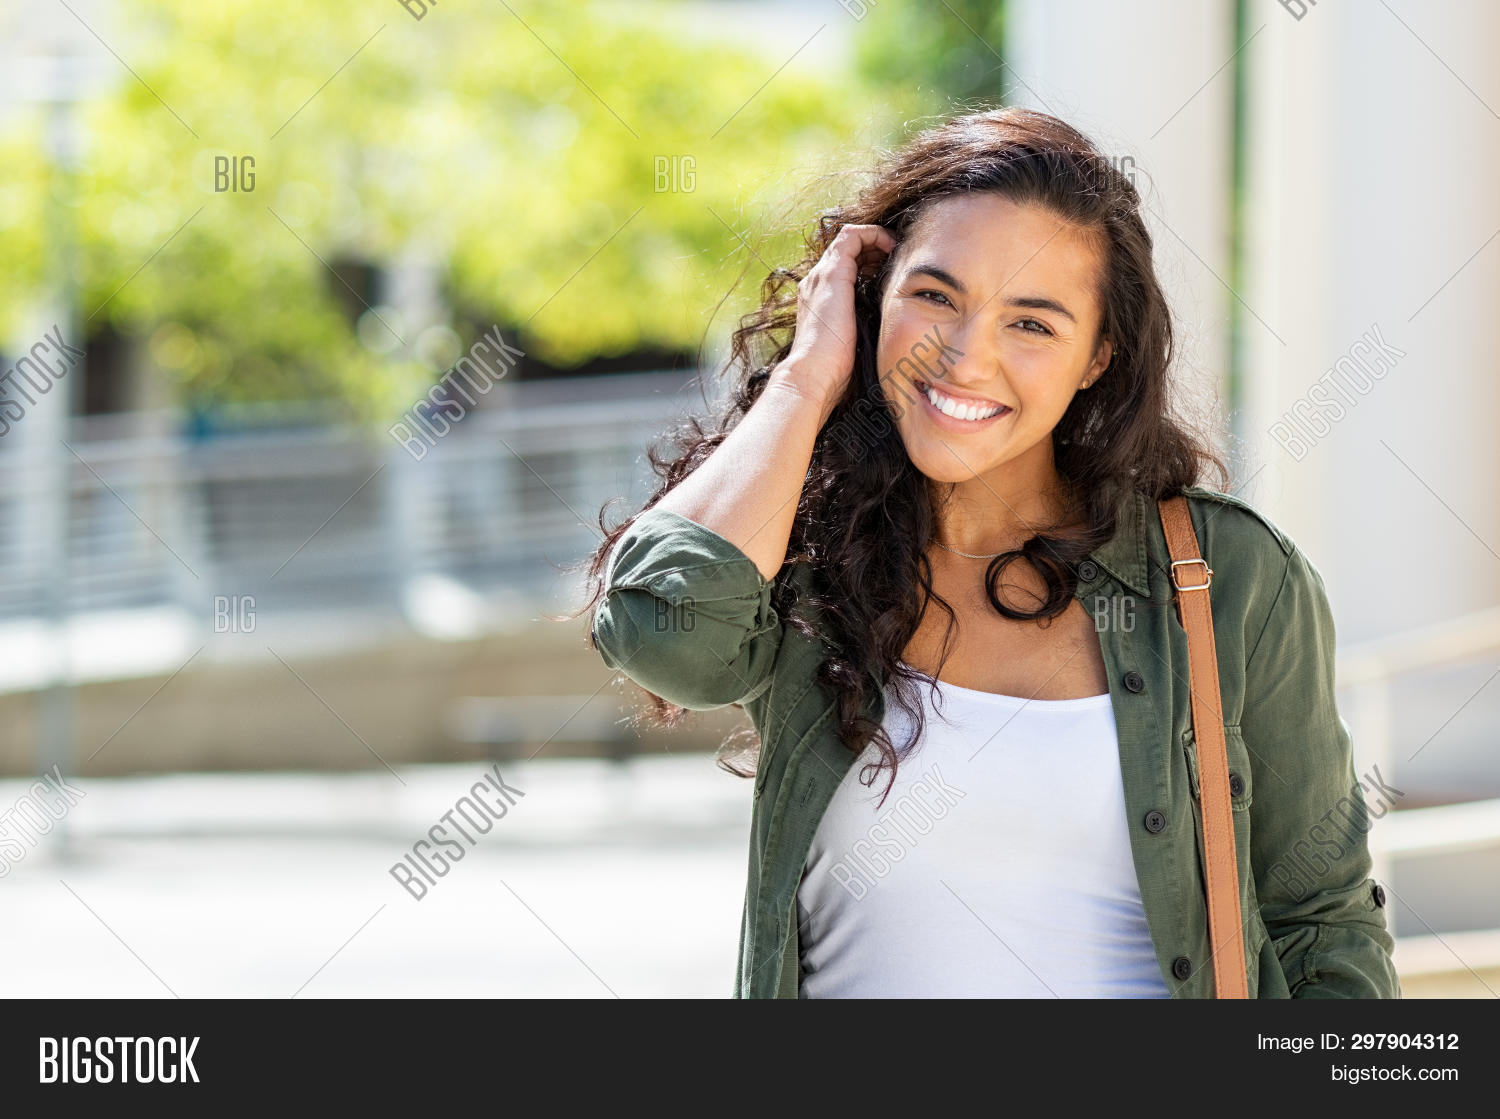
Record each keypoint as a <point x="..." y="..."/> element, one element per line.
<point x="989" y="324"/>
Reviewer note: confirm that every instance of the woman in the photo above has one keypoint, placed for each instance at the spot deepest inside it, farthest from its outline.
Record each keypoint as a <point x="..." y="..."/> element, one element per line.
<point x="922" y="551"/>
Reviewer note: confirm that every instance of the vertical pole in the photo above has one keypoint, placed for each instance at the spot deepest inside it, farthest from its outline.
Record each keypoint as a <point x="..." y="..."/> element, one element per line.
<point x="55" y="702"/>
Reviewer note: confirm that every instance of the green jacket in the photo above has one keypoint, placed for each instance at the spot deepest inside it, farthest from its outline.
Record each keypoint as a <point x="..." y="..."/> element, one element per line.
<point x="688" y="616"/>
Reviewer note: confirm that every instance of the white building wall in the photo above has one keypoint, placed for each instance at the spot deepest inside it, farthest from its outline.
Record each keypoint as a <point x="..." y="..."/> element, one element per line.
<point x="1373" y="215"/>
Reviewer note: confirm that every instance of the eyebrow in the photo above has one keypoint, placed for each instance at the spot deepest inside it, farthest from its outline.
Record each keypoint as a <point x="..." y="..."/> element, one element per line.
<point x="1031" y="302"/>
<point x="1041" y="303"/>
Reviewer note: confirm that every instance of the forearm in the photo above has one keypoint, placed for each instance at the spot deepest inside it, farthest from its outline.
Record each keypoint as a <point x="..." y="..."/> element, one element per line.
<point x="747" y="491"/>
<point x="1310" y="818"/>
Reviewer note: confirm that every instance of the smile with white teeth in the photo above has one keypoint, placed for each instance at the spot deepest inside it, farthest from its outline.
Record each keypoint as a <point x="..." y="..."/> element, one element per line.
<point x="961" y="410"/>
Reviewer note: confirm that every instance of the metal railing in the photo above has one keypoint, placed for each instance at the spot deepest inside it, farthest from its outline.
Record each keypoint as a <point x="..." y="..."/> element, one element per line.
<point x="328" y="512"/>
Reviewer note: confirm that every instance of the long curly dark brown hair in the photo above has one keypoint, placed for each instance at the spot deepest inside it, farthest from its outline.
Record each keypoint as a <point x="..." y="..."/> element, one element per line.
<point x="866" y="515"/>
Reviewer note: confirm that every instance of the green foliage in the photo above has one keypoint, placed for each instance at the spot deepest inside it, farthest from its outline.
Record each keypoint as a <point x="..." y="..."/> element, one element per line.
<point x="517" y="148"/>
<point x="934" y="54"/>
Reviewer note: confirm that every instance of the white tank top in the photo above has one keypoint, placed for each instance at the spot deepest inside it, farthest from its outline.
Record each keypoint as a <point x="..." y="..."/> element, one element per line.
<point x="998" y="867"/>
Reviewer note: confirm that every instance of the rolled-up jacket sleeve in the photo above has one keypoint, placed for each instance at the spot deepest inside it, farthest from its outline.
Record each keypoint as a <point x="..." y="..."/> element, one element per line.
<point x="686" y="614"/>
<point x="1310" y="817"/>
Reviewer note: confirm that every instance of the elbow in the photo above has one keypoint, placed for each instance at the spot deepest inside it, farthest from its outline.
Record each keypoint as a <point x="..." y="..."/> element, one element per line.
<point x="642" y="637"/>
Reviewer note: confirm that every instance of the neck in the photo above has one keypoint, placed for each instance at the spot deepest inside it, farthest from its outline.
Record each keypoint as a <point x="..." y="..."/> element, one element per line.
<point x="1002" y="510"/>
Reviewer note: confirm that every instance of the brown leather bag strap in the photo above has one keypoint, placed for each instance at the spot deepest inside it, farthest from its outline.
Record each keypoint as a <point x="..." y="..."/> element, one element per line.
<point x="1191" y="577"/>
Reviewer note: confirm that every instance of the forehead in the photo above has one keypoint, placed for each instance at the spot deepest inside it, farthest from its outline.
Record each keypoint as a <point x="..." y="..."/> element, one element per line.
<point x="990" y="240"/>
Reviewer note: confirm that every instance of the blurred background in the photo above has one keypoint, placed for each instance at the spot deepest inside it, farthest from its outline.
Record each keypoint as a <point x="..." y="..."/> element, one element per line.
<point x="328" y="329"/>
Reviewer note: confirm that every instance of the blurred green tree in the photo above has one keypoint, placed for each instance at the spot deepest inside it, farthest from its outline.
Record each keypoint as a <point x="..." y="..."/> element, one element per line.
<point x="933" y="55"/>
<point x="578" y="172"/>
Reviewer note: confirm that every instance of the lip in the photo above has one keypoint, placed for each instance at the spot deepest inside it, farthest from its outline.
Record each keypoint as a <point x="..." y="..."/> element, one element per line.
<point x="950" y="423"/>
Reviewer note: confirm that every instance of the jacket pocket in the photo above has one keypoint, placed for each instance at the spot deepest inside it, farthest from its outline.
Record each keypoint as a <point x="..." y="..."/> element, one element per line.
<point x="1267" y="977"/>
<point x="1238" y="754"/>
<point x="1271" y="982"/>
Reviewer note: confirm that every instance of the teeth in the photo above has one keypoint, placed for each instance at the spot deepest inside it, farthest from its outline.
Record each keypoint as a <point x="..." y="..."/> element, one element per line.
<point x="959" y="411"/>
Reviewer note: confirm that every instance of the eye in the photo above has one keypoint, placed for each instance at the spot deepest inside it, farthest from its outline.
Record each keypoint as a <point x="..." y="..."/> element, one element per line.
<point x="1041" y="328"/>
<point x="934" y="297"/>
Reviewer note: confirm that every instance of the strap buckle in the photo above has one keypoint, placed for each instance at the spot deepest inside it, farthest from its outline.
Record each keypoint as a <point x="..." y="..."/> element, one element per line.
<point x="1203" y="586"/>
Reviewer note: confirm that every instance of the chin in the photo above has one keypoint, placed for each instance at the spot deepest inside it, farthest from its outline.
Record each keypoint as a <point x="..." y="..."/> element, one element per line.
<point x="938" y="464"/>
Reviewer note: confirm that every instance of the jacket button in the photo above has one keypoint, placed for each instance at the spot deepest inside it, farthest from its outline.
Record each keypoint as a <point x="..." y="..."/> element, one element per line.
<point x="1182" y="967"/>
<point x="1155" y="821"/>
<point x="1236" y="785"/>
<point x="1379" y="893"/>
<point x="1134" y="680"/>
<point x="1088" y="571"/>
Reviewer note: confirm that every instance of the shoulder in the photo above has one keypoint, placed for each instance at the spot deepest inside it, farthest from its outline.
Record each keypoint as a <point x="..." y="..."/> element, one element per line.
<point x="1234" y="522"/>
<point x="1252" y="557"/>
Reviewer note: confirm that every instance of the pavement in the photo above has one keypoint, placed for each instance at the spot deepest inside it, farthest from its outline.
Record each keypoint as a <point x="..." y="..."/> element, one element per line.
<point x="599" y="881"/>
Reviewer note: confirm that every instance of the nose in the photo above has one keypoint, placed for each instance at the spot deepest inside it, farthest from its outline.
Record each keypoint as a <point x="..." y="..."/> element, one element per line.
<point x="964" y="355"/>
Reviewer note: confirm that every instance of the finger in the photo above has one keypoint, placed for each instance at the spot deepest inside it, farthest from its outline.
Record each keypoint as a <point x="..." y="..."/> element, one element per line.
<point x="866" y="238"/>
<point x="862" y="248"/>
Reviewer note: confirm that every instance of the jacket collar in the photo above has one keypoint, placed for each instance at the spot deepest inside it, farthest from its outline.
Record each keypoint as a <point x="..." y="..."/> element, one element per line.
<point x="1124" y="555"/>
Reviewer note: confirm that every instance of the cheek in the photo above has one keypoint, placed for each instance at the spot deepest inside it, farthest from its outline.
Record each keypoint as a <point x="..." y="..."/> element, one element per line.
<point x="1041" y="379"/>
<point x="899" y="332"/>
